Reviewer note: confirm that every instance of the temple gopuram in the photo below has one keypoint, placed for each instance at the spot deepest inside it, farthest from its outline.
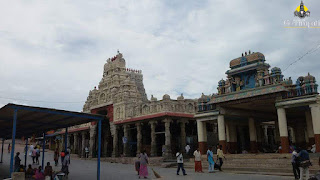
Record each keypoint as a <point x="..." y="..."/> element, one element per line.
<point x="254" y="110"/>
<point x="132" y="121"/>
<point x="257" y="110"/>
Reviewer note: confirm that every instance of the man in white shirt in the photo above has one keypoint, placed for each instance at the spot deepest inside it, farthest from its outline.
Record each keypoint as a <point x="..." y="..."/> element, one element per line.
<point x="187" y="148"/>
<point x="31" y="149"/>
<point x="86" y="150"/>
<point x="197" y="161"/>
<point x="180" y="163"/>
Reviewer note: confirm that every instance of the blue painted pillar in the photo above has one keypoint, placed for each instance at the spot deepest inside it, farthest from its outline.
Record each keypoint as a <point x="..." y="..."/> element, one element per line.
<point x="66" y="140"/>
<point x="43" y="147"/>
<point x="2" y="150"/>
<point x="99" y="149"/>
<point x="14" y="126"/>
<point x="25" y="156"/>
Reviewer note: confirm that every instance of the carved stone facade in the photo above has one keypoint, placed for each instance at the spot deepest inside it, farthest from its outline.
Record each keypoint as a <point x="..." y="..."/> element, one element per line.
<point x="133" y="121"/>
<point x="255" y="108"/>
<point x="123" y="87"/>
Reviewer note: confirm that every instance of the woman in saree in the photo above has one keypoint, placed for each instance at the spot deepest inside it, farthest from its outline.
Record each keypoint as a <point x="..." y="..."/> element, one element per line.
<point x="210" y="161"/>
<point x="143" y="172"/>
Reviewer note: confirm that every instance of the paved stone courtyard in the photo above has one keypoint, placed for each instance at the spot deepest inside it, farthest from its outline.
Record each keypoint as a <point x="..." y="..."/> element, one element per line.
<point x="86" y="169"/>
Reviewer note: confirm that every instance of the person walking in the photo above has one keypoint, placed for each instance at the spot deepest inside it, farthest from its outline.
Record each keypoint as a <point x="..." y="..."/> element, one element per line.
<point x="197" y="161"/>
<point x="34" y="154"/>
<point x="17" y="161"/>
<point x="220" y="155"/>
<point x="56" y="157"/>
<point x="37" y="155"/>
<point x="143" y="171"/>
<point x="62" y="155"/>
<point x="9" y="148"/>
<point x="180" y="163"/>
<point x="66" y="163"/>
<point x="210" y="161"/>
<point x="31" y="147"/>
<point x="304" y="163"/>
<point x="86" y="150"/>
<point x="187" y="148"/>
<point x="295" y="167"/>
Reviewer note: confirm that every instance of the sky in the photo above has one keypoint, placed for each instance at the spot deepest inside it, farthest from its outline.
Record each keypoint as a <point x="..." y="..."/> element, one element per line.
<point x="52" y="52"/>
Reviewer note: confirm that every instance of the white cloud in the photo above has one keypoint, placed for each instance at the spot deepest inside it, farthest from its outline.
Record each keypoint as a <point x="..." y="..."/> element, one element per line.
<point x="55" y="50"/>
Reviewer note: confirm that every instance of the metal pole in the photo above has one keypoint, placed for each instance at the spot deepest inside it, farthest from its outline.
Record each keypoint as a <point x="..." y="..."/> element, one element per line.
<point x="66" y="140"/>
<point x="13" y="139"/>
<point x="2" y="150"/>
<point x="43" y="146"/>
<point x="25" y="156"/>
<point x="99" y="149"/>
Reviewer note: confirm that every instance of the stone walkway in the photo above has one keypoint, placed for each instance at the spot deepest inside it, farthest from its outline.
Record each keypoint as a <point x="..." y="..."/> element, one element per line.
<point x="86" y="170"/>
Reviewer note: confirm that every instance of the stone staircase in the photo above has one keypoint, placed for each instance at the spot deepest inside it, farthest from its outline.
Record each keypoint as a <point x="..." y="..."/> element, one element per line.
<point x="269" y="164"/>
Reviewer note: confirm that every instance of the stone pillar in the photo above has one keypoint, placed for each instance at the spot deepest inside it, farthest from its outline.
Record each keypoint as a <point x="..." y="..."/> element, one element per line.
<point x="259" y="135"/>
<point x="202" y="136"/>
<point x="139" y="137"/>
<point x="233" y="138"/>
<point x="222" y="132"/>
<point x="68" y="141"/>
<point x="310" y="132"/>
<point x="62" y="143"/>
<point x="253" y="135"/>
<point x="92" y="140"/>
<point x="105" y="144"/>
<point x="315" y="112"/>
<point x="167" y="122"/>
<point x="283" y="129"/>
<point x="75" y="143"/>
<point x="153" y="138"/>
<point x="115" y="142"/>
<point x="83" y="136"/>
<point x="183" y="134"/>
<point x="125" y="145"/>
<point x="265" y="130"/>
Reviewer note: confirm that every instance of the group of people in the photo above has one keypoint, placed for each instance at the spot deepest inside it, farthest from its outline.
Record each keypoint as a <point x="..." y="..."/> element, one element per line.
<point x="300" y="163"/>
<point x="35" y="173"/>
<point x="142" y="162"/>
<point x="38" y="174"/>
<point x="65" y="160"/>
<point x="210" y="158"/>
<point x="197" y="160"/>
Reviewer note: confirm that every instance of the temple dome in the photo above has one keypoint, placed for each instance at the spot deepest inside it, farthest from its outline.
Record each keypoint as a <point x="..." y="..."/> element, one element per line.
<point x="222" y="82"/>
<point x="180" y="97"/>
<point x="257" y="56"/>
<point x="309" y="78"/>
<point x="275" y="70"/>
<point x="166" y="97"/>
<point x="153" y="98"/>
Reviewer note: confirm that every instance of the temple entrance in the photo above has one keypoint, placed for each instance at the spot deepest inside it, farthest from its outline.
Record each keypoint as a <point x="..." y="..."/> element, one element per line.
<point x="160" y="138"/>
<point x="243" y="139"/>
<point x="146" y="138"/>
<point x="132" y="142"/>
<point x="175" y="137"/>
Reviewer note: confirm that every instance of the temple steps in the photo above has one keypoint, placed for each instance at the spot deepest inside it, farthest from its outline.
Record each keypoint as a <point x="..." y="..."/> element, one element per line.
<point x="268" y="164"/>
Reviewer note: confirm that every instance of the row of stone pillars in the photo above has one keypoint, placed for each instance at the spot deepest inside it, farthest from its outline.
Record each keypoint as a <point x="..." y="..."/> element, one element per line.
<point x="312" y="122"/>
<point x="227" y="133"/>
<point x="75" y="150"/>
<point x="152" y="123"/>
<point x="313" y="127"/>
